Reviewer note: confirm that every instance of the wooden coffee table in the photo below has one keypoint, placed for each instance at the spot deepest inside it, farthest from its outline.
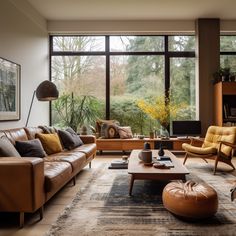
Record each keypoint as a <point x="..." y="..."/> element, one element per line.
<point x="139" y="171"/>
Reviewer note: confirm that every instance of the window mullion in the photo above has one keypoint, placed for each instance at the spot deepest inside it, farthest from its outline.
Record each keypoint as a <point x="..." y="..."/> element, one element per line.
<point x="107" y="50"/>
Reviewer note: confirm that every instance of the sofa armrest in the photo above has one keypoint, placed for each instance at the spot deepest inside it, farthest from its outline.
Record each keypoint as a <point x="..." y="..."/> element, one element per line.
<point x="88" y="139"/>
<point x="21" y="184"/>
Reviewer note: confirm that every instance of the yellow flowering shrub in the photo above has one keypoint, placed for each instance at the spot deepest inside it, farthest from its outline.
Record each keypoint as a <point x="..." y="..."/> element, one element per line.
<point x="160" y="108"/>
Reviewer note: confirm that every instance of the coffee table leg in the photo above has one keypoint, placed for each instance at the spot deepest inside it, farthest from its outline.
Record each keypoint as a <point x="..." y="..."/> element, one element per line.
<point x="131" y="184"/>
<point x="184" y="179"/>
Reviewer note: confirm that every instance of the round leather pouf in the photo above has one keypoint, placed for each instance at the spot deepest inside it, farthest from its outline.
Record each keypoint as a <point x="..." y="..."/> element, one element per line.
<point x="190" y="200"/>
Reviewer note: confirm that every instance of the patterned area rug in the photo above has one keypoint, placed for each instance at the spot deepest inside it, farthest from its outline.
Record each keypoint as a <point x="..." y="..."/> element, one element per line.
<point x="103" y="207"/>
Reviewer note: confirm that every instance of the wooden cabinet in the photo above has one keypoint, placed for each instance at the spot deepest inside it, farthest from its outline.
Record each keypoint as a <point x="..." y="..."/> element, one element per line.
<point x="225" y="104"/>
<point x="130" y="144"/>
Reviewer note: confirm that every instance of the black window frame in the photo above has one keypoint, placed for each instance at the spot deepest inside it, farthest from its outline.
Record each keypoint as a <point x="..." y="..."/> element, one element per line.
<point x="107" y="53"/>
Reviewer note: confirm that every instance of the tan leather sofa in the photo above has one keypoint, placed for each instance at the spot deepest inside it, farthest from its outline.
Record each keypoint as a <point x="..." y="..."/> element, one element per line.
<point x="27" y="183"/>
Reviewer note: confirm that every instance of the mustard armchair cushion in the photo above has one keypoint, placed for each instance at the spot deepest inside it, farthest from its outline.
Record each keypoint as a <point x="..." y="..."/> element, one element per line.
<point x="215" y="134"/>
<point x="199" y="150"/>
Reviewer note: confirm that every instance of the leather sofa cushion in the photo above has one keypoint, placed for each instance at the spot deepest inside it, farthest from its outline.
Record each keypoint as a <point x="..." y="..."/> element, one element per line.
<point x="76" y="159"/>
<point x="89" y="149"/>
<point x="32" y="131"/>
<point x="51" y="143"/>
<point x="199" y="150"/>
<point x="16" y="135"/>
<point x="56" y="174"/>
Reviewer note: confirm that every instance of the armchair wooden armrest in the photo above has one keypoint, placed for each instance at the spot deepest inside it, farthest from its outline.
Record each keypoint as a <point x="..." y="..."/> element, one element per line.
<point x="227" y="144"/>
<point x="220" y="153"/>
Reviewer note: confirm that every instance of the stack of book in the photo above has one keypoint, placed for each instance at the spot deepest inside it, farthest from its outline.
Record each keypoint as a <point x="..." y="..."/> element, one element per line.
<point x="166" y="161"/>
<point x="118" y="164"/>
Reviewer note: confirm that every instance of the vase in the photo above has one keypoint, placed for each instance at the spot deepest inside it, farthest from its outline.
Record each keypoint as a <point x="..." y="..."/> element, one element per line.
<point x="151" y="134"/>
<point x="161" y="151"/>
<point x="164" y="133"/>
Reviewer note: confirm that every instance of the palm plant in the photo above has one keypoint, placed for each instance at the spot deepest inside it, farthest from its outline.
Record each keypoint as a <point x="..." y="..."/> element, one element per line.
<point x="76" y="111"/>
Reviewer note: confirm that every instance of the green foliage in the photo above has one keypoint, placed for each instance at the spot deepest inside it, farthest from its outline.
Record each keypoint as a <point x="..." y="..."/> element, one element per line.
<point x="75" y="111"/>
<point x="126" y="111"/>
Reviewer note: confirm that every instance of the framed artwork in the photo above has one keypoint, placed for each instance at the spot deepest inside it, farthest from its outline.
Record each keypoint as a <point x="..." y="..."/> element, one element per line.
<point x="9" y="90"/>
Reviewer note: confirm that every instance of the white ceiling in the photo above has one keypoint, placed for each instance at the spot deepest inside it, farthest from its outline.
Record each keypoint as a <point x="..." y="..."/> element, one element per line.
<point x="135" y="9"/>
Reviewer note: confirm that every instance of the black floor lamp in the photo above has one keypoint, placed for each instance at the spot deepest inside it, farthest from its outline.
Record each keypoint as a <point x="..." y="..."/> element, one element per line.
<point x="46" y="91"/>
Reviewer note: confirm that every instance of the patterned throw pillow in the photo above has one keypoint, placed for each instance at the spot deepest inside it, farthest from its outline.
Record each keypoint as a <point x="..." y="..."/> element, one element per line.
<point x="125" y="132"/>
<point x="109" y="131"/>
<point x="99" y="124"/>
<point x="30" y="148"/>
<point x="51" y="142"/>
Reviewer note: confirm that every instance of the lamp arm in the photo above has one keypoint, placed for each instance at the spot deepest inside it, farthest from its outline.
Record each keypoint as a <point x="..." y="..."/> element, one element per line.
<point x="30" y="108"/>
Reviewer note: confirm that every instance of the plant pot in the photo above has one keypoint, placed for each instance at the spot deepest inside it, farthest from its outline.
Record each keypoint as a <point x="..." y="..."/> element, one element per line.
<point x="151" y="134"/>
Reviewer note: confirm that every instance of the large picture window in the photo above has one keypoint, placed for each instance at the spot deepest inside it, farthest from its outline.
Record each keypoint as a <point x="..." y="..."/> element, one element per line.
<point x="104" y="77"/>
<point x="228" y="52"/>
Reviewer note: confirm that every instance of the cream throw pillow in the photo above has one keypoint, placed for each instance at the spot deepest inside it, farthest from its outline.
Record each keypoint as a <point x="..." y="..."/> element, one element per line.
<point x="125" y="132"/>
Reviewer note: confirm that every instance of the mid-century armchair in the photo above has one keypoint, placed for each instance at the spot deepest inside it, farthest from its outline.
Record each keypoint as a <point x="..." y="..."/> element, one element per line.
<point x="219" y="145"/>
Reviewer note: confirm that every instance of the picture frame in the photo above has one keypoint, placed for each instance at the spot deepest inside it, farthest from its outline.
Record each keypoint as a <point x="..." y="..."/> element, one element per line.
<point x="10" y="76"/>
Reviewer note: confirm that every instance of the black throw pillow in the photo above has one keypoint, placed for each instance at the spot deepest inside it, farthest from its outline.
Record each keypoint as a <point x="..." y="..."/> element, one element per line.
<point x="7" y="149"/>
<point x="74" y="134"/>
<point x="69" y="129"/>
<point x="70" y="140"/>
<point x="30" y="148"/>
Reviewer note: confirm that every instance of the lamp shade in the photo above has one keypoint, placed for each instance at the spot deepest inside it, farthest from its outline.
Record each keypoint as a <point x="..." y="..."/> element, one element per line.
<point x="47" y="91"/>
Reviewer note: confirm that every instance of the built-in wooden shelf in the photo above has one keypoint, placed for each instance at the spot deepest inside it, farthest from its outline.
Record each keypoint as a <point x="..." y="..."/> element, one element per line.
<point x="225" y="103"/>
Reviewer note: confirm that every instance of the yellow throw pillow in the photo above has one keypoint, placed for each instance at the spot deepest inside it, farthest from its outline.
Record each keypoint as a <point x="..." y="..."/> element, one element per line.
<point x="51" y="142"/>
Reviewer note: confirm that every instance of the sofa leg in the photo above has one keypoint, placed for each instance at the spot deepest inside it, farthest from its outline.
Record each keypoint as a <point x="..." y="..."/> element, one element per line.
<point x="22" y="219"/>
<point x="74" y="180"/>
<point x="41" y="210"/>
<point x="90" y="164"/>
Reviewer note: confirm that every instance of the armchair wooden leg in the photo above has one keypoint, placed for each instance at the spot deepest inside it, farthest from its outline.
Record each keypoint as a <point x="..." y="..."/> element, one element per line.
<point x="231" y="164"/>
<point x="22" y="219"/>
<point x="185" y="157"/>
<point x="90" y="164"/>
<point x="205" y="160"/>
<point x="216" y="163"/>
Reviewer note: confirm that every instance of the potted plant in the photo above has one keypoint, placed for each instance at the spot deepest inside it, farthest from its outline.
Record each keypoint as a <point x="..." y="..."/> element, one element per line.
<point x="76" y="111"/>
<point x="224" y="74"/>
<point x="161" y="109"/>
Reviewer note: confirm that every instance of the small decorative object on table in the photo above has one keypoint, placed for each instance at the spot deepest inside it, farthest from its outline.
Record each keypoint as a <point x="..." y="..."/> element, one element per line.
<point x="141" y="136"/>
<point x="125" y="158"/>
<point x="160" y="165"/>
<point x="151" y="134"/>
<point x="146" y="146"/>
<point x="118" y="164"/>
<point x="145" y="156"/>
<point x="161" y="151"/>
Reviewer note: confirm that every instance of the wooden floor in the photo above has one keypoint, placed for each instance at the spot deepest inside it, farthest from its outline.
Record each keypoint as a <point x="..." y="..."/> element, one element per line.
<point x="33" y="227"/>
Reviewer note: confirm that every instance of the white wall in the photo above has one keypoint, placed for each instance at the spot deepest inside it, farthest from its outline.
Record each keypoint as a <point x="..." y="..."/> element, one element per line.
<point x="26" y="43"/>
<point x="120" y="27"/>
